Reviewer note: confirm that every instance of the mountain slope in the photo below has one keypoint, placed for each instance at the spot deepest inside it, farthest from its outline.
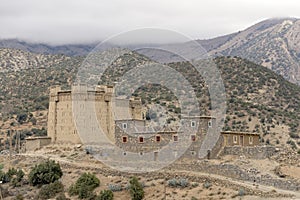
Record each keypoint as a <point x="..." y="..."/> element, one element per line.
<point x="14" y="59"/>
<point x="257" y="98"/>
<point x="271" y="43"/>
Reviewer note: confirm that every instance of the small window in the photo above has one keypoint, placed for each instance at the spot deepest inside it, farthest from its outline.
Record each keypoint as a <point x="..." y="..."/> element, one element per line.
<point x="193" y="153"/>
<point x="250" y="140"/>
<point x="141" y="153"/>
<point x="193" y="123"/>
<point x="157" y="138"/>
<point x="124" y="125"/>
<point x="175" y="138"/>
<point x="141" y="139"/>
<point x="209" y="123"/>
<point x="235" y="139"/>
<point x="124" y="153"/>
<point x="124" y="139"/>
<point x="193" y="138"/>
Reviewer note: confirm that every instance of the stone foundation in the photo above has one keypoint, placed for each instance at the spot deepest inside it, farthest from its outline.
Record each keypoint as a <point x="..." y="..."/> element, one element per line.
<point x="258" y="152"/>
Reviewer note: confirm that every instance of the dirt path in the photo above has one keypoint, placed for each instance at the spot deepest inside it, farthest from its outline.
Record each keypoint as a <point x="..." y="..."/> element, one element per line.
<point x="245" y="184"/>
<point x="263" y="188"/>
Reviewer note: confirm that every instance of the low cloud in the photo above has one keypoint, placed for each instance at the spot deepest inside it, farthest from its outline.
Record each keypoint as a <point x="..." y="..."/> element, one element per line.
<point x="79" y="21"/>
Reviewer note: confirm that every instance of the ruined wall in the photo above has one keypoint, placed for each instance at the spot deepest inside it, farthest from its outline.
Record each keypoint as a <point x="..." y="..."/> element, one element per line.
<point x="258" y="152"/>
<point x="233" y="171"/>
<point x="33" y="144"/>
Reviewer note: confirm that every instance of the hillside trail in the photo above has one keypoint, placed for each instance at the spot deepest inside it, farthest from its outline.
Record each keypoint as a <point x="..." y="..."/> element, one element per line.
<point x="247" y="184"/>
<point x="259" y="187"/>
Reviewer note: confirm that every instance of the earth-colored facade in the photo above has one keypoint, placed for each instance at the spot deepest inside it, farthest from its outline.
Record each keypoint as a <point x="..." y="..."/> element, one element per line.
<point x="125" y="125"/>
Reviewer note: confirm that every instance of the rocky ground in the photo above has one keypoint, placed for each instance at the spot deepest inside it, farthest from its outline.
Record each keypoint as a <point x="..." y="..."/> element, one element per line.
<point x="202" y="183"/>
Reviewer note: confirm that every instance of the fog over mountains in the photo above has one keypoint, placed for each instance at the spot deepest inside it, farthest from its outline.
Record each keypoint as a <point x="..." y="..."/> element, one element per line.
<point x="273" y="43"/>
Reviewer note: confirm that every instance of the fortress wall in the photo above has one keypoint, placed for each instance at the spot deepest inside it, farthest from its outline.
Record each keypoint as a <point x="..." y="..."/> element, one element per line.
<point x="53" y="99"/>
<point x="65" y="127"/>
<point x="103" y="108"/>
<point x="96" y="109"/>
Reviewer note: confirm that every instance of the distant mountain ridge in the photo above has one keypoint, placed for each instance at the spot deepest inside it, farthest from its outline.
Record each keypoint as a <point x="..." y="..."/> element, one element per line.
<point x="40" y="48"/>
<point x="273" y="43"/>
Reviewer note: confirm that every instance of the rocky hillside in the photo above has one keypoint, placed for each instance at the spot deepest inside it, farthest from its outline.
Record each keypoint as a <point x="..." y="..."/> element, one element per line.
<point x="14" y="60"/>
<point x="272" y="43"/>
<point x="257" y="98"/>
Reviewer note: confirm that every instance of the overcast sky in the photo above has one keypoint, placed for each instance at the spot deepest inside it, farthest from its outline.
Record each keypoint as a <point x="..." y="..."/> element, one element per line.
<point x="79" y="21"/>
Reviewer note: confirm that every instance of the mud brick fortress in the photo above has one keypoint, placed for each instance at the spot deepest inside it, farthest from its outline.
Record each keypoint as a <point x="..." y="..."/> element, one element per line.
<point x="116" y="124"/>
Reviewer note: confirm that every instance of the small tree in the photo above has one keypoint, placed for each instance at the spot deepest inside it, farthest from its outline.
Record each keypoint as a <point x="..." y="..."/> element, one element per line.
<point x="136" y="189"/>
<point x="84" y="186"/>
<point x="17" y="177"/>
<point x="105" y="195"/>
<point x="50" y="190"/>
<point x="45" y="173"/>
<point x="12" y="175"/>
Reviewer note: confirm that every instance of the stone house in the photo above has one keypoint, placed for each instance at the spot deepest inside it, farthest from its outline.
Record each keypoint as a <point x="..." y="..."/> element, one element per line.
<point x="240" y="138"/>
<point x="35" y="143"/>
<point x="136" y="136"/>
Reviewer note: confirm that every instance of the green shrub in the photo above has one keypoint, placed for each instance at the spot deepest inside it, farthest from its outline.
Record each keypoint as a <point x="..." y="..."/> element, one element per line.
<point x="45" y="173"/>
<point x="172" y="182"/>
<point x="50" y="190"/>
<point x="4" y="177"/>
<point x="115" y="187"/>
<point x="241" y="192"/>
<point x="105" y="195"/>
<point x="136" y="189"/>
<point x="207" y="185"/>
<point x="181" y="182"/>
<point x="195" y="185"/>
<point x="294" y="135"/>
<point x="13" y="176"/>
<point x="85" y="186"/>
<point x="292" y="143"/>
<point x="17" y="177"/>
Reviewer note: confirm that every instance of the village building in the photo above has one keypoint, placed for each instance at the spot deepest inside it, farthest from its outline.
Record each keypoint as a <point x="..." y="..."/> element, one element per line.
<point x="35" y="143"/>
<point x="117" y="123"/>
<point x="240" y="138"/>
